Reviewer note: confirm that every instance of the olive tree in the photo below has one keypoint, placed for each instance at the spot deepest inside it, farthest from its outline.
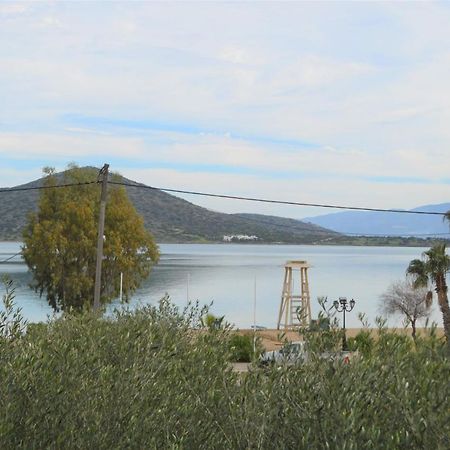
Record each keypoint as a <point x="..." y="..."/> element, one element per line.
<point x="403" y="298"/>
<point x="60" y="241"/>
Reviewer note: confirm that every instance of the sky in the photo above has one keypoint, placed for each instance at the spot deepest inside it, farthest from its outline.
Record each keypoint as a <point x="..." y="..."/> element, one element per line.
<point x="321" y="102"/>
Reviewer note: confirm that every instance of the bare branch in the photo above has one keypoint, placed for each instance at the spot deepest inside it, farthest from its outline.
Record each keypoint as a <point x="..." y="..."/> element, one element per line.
<point x="403" y="298"/>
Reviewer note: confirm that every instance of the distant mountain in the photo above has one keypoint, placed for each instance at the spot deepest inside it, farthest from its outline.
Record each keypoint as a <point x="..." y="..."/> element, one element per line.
<point x="392" y="224"/>
<point x="172" y="219"/>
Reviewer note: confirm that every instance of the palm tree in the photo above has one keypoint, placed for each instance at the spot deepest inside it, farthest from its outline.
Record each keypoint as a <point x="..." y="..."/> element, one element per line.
<point x="433" y="270"/>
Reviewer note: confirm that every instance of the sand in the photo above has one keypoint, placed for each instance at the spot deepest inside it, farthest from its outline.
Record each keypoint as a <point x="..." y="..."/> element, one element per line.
<point x="273" y="339"/>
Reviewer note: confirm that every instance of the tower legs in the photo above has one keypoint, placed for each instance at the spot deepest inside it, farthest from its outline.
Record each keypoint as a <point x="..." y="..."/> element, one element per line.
<point x="295" y="309"/>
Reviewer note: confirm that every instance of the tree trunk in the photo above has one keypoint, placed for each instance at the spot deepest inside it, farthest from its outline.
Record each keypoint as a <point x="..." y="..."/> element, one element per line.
<point x="441" y="290"/>
<point x="445" y="309"/>
<point x="413" y="326"/>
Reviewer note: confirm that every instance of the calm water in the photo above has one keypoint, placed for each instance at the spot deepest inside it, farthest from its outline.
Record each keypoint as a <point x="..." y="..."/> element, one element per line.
<point x="225" y="275"/>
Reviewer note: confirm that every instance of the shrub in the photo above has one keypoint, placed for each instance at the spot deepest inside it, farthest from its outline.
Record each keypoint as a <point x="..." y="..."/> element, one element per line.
<point x="155" y="378"/>
<point x="363" y="343"/>
<point x="12" y="323"/>
<point x="244" y="347"/>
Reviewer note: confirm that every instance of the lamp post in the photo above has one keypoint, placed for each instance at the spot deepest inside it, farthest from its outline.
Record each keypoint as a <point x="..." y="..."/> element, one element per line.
<point x="342" y="306"/>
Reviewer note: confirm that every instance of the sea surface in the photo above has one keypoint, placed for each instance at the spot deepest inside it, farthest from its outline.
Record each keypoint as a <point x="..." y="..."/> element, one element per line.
<point x="226" y="276"/>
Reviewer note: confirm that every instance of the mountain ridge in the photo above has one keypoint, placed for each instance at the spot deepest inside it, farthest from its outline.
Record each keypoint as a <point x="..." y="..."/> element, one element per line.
<point x="170" y="218"/>
<point x="385" y="223"/>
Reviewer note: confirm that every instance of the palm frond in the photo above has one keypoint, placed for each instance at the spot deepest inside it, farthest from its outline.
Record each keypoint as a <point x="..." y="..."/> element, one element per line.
<point x="419" y="272"/>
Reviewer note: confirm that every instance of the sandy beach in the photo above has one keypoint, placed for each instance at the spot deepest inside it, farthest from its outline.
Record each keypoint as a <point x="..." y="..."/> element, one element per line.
<point x="273" y="339"/>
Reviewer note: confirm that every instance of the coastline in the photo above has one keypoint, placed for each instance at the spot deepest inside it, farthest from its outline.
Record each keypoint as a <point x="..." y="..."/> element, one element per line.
<point x="272" y="339"/>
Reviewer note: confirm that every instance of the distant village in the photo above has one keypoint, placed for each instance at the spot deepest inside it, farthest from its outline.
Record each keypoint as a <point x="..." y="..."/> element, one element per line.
<point x="239" y="237"/>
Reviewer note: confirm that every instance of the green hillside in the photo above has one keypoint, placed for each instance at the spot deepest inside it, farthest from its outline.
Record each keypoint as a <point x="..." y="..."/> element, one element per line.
<point x="172" y="219"/>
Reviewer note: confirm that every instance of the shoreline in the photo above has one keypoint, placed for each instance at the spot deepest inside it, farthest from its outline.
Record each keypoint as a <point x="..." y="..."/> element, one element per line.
<point x="272" y="339"/>
<point x="377" y="241"/>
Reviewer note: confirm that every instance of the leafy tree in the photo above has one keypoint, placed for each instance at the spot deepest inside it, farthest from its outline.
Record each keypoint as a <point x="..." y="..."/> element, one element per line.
<point x="432" y="269"/>
<point x="60" y="241"/>
<point x="403" y="298"/>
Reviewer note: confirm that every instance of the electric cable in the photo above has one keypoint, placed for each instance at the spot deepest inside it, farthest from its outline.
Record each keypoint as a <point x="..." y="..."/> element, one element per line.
<point x="11" y="257"/>
<point x="37" y="188"/>
<point x="280" y="202"/>
<point x="231" y="197"/>
<point x="256" y="199"/>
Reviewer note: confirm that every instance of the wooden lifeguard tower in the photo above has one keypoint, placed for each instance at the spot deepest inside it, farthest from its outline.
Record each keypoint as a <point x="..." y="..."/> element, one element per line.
<point x="295" y="309"/>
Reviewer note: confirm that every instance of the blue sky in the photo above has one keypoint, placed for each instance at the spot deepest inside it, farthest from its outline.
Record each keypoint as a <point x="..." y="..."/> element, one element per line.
<point x="321" y="102"/>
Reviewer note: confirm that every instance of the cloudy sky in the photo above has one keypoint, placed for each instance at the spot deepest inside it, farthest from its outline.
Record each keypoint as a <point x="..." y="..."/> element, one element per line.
<point x="324" y="102"/>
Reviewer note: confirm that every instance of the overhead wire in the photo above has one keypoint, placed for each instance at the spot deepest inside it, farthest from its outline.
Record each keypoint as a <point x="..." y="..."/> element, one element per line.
<point x="254" y="199"/>
<point x="227" y="196"/>
<point x="11" y="257"/>
<point x="293" y="227"/>
<point x="280" y="202"/>
<point x="38" y="188"/>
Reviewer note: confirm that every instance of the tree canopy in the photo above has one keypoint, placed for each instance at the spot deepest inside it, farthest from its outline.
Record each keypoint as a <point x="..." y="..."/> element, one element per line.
<point x="433" y="269"/>
<point x="60" y="241"/>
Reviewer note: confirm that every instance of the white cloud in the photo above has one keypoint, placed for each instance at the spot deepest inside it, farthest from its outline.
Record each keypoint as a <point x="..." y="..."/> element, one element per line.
<point x="67" y="147"/>
<point x="51" y="21"/>
<point x="10" y="8"/>
<point x="315" y="71"/>
<point x="366" y="84"/>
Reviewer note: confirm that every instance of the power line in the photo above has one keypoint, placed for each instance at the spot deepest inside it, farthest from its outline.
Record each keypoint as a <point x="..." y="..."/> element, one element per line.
<point x="231" y="197"/>
<point x="11" y="257"/>
<point x="37" y="188"/>
<point x="261" y="200"/>
<point x="280" y="202"/>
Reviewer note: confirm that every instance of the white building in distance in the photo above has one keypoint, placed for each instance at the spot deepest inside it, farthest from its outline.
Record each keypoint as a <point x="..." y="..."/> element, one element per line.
<point x="239" y="237"/>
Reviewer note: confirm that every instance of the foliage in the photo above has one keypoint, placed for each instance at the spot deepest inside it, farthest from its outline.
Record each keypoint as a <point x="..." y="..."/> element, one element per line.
<point x="60" y="242"/>
<point x="154" y="378"/>
<point x="244" y="347"/>
<point x="323" y="334"/>
<point x="364" y="341"/>
<point x="12" y="323"/>
<point x="402" y="297"/>
<point x="212" y="322"/>
<point x="433" y="269"/>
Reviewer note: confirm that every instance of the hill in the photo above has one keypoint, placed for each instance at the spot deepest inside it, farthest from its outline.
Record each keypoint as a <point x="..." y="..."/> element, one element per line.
<point x="172" y="219"/>
<point x="392" y="224"/>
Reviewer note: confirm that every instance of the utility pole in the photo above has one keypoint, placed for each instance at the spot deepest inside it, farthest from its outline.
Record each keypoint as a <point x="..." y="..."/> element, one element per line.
<point x="101" y="231"/>
<point x="254" y="317"/>
<point x="187" y="287"/>
<point x="121" y="287"/>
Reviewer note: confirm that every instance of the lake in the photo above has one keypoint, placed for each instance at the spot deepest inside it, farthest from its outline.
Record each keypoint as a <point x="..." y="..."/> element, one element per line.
<point x="225" y="274"/>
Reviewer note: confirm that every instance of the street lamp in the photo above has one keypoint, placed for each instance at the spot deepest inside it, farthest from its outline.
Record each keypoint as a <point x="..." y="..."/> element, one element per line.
<point x="342" y="306"/>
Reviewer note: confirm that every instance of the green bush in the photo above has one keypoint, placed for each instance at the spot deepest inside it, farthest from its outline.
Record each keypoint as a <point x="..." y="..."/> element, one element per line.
<point x="244" y="347"/>
<point x="363" y="343"/>
<point x="155" y="378"/>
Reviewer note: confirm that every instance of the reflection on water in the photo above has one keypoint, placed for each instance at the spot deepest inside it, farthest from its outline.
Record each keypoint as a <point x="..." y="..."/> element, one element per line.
<point x="225" y="275"/>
